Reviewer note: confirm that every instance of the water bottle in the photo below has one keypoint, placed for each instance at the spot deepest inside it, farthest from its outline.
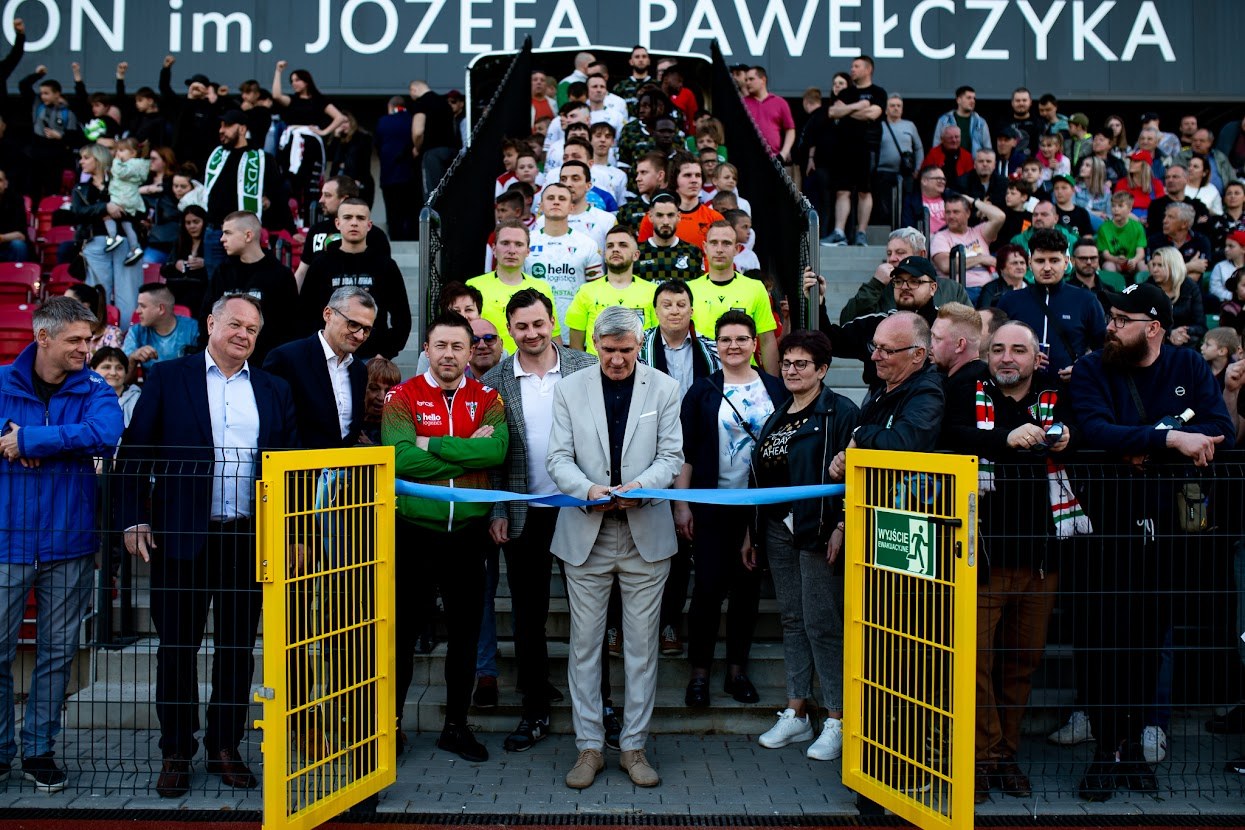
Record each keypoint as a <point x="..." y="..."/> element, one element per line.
<point x="1175" y="422"/>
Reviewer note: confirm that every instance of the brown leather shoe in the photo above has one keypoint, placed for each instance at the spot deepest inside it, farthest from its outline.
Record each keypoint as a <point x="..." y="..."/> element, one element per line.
<point x="227" y="763"/>
<point x="174" y="780"/>
<point x="1012" y="780"/>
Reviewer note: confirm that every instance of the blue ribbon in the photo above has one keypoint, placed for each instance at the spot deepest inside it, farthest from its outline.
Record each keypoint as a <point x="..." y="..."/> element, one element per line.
<point x="766" y="495"/>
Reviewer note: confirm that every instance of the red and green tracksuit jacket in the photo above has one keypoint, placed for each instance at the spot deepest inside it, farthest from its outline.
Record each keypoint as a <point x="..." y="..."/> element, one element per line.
<point x="420" y="408"/>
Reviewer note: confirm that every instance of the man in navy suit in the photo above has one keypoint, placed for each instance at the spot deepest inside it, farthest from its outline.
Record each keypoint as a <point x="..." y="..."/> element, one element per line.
<point x="327" y="382"/>
<point x="193" y="446"/>
<point x="329" y="385"/>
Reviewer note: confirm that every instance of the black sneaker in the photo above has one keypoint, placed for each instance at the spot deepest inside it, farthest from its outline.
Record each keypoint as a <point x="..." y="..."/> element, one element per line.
<point x="527" y="734"/>
<point x="42" y="770"/>
<point x="1237" y="766"/>
<point x="613" y="727"/>
<point x="459" y="740"/>
<point x="1100" y="779"/>
<point x="133" y="257"/>
<point x="1231" y="722"/>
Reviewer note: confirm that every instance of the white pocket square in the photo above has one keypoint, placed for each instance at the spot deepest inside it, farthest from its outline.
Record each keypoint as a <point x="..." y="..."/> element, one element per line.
<point x="652" y="414"/>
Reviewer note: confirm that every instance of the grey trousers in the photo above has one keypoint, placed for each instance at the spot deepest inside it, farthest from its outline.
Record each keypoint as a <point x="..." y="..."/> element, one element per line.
<point x="810" y="602"/>
<point x="588" y="593"/>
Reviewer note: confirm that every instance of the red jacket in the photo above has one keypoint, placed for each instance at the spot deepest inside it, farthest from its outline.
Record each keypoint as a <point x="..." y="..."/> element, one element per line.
<point x="419" y="408"/>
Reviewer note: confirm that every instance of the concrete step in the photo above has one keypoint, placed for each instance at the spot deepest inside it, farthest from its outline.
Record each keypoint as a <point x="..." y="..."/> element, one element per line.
<point x="129" y="705"/>
<point x="425" y="712"/>
<point x="765" y="666"/>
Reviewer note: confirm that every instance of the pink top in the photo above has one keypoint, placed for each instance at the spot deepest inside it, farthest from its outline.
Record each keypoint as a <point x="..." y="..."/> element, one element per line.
<point x="974" y="245"/>
<point x="773" y="117"/>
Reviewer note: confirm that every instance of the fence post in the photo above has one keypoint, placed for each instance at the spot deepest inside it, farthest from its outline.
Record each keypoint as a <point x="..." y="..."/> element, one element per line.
<point x="959" y="261"/>
<point x="812" y="250"/>
<point x="429" y="266"/>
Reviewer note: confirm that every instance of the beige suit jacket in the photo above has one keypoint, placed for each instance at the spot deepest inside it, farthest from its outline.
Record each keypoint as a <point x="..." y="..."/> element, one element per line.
<point x="579" y="457"/>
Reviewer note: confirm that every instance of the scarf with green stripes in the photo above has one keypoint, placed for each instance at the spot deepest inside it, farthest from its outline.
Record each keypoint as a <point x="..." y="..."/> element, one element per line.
<point x="250" y="177"/>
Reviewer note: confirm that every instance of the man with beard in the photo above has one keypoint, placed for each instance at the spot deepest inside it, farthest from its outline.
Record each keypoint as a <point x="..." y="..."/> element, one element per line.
<point x="446" y="429"/>
<point x="629" y="88"/>
<point x="1118" y="397"/>
<point x="1004" y="416"/>
<point x="876" y="293"/>
<point x="694" y="217"/>
<point x="619" y="288"/>
<point x="525" y="532"/>
<point x="235" y="179"/>
<point x="1068" y="318"/>
<point x="914" y="282"/>
<point x="560" y="255"/>
<point x="664" y="256"/>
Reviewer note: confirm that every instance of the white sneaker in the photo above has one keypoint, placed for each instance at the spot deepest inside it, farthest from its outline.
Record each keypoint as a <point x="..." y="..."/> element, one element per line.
<point x="1076" y="731"/>
<point x="788" y="730"/>
<point x="829" y="745"/>
<point x="1154" y="744"/>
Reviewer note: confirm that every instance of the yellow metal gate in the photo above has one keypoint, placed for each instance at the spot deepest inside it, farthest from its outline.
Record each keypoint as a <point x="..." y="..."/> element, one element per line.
<point x="910" y="641"/>
<point x="325" y="559"/>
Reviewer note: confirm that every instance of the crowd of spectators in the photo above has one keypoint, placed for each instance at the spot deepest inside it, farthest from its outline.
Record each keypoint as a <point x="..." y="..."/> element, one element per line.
<point x="623" y="254"/>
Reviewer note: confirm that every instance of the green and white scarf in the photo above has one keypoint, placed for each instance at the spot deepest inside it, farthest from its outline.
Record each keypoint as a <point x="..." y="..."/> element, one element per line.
<point x="250" y="177"/>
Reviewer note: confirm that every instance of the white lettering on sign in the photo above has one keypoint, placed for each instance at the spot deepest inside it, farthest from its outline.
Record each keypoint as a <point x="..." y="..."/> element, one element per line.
<point x="1080" y="31"/>
<point x="200" y="21"/>
<point x="705" y="24"/>
<point x="881" y="26"/>
<point x="114" y="36"/>
<point x="352" y="40"/>
<point x="918" y="35"/>
<point x="416" y="45"/>
<point x="978" y="51"/>
<point x="573" y="28"/>
<point x="649" y="24"/>
<point x="468" y="23"/>
<point x="1041" y="26"/>
<point x="757" y="37"/>
<point x="839" y="26"/>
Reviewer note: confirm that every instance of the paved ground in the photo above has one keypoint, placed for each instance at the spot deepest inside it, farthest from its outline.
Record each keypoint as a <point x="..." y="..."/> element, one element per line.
<point x="702" y="775"/>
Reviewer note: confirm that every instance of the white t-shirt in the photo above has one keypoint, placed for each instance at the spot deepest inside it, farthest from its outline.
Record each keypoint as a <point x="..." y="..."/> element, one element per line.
<point x="566" y="262"/>
<point x="594" y="222"/>
<point x="610" y="116"/>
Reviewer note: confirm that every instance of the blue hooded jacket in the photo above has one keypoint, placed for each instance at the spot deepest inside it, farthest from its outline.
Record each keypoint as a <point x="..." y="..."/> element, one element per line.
<point x="48" y="512"/>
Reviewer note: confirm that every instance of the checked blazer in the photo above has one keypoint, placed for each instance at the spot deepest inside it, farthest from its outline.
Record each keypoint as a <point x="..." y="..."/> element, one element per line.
<point x="512" y="475"/>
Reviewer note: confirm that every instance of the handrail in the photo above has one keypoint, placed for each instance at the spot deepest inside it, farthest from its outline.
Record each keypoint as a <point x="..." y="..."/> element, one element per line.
<point x="959" y="260"/>
<point x="812" y="250"/>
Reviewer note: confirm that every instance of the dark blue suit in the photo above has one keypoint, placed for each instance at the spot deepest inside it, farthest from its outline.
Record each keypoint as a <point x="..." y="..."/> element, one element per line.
<point x="198" y="564"/>
<point x="303" y="366"/>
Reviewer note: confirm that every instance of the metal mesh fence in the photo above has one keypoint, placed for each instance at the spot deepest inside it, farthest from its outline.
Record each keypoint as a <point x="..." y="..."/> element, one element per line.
<point x="1127" y="637"/>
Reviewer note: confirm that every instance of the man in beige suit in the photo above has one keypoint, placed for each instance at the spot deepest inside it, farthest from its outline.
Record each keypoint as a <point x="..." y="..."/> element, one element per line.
<point x="624" y="434"/>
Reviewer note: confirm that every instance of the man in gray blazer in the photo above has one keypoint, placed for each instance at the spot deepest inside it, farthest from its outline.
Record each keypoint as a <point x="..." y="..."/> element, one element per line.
<point x="624" y="434"/>
<point x="526" y="381"/>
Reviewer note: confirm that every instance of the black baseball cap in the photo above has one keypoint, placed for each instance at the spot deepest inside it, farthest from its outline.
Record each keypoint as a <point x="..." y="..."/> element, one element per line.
<point x="233" y="117"/>
<point x="1143" y="298"/>
<point x="916" y="266"/>
<point x="1010" y="131"/>
<point x="1149" y="116"/>
<point x="198" y="78"/>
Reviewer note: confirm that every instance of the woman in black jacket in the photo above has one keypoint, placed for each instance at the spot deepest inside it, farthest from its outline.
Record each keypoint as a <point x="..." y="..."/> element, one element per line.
<point x="803" y="539"/>
<point x="722" y="416"/>
<point x="90" y="206"/>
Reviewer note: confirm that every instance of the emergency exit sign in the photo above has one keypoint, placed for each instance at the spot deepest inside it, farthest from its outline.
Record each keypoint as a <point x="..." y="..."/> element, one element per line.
<point x="904" y="542"/>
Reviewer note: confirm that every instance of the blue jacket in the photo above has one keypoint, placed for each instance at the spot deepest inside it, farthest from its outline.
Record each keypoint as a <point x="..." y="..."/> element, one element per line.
<point x="1074" y="311"/>
<point x="49" y="510"/>
<point x="980" y="132"/>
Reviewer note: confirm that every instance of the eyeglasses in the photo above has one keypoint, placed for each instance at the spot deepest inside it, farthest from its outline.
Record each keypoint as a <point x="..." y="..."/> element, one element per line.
<point x="798" y="365"/>
<point x="874" y="347"/>
<point x="742" y="340"/>
<point x="488" y="339"/>
<point x="1090" y="258"/>
<point x="1119" y="321"/>
<point x="354" y="326"/>
<point x="903" y="283"/>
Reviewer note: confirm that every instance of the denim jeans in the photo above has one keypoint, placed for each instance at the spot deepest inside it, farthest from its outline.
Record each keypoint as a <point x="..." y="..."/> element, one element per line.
<point x="486" y="649"/>
<point x="62" y="593"/>
<point x="109" y="271"/>
<point x="810" y="603"/>
<point x="17" y="250"/>
<point x="213" y="251"/>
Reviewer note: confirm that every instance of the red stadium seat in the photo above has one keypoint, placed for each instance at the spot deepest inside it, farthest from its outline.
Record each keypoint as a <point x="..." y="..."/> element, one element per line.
<point x="51" y="241"/>
<point x="114" y="316"/>
<point x="183" y="311"/>
<point x="19" y="282"/>
<point x="151" y="273"/>
<point x="59" y="281"/>
<point x="43" y="216"/>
